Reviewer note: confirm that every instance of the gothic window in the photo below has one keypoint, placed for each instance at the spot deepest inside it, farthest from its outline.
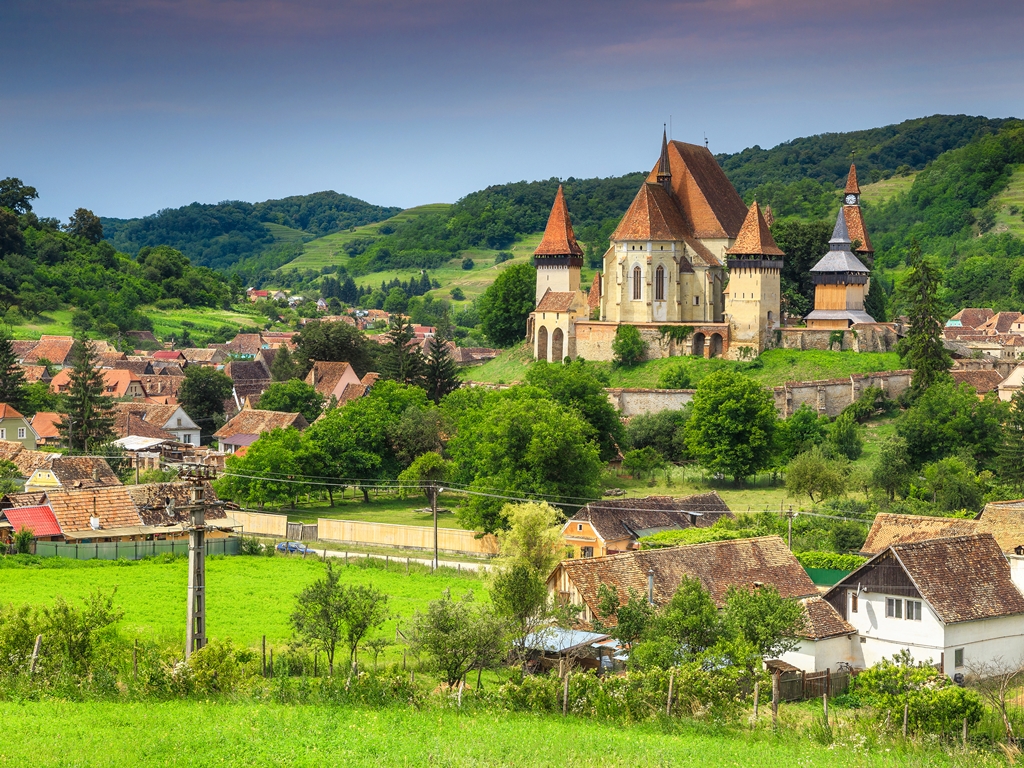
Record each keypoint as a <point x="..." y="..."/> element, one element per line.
<point x="637" y="277"/>
<point x="659" y="284"/>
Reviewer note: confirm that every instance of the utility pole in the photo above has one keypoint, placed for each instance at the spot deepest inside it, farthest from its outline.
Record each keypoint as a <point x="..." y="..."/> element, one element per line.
<point x="790" y="516"/>
<point x="195" y="633"/>
<point x="434" y="490"/>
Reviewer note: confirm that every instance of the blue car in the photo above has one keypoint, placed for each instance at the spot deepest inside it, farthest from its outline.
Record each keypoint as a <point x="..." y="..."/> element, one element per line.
<point x="293" y="546"/>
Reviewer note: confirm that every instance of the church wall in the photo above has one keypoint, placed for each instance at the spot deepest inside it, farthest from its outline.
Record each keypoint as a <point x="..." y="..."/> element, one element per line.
<point x="862" y="337"/>
<point x="558" y="278"/>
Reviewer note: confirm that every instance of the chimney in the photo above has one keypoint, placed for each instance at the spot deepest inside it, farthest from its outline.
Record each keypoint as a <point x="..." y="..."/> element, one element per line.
<point x="650" y="586"/>
<point x="95" y="475"/>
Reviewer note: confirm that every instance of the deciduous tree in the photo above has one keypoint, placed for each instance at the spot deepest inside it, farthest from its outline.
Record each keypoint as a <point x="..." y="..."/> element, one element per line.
<point x="202" y="396"/>
<point x="507" y="303"/>
<point x="292" y="396"/>
<point x="813" y="473"/>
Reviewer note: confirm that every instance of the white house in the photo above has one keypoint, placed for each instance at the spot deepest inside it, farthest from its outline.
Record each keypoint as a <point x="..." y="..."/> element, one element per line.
<point x="171" y="418"/>
<point x="949" y="601"/>
<point x="826" y="641"/>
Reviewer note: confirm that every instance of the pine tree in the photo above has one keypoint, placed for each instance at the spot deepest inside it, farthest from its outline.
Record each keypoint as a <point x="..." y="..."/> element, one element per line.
<point x="1011" y="452"/>
<point x="922" y="348"/>
<point x="401" y="359"/>
<point x="441" y="373"/>
<point x="283" y="368"/>
<point x="87" y="422"/>
<point x="12" y="378"/>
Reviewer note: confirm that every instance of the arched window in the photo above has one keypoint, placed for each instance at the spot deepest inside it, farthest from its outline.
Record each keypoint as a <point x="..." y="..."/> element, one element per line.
<point x="637" y="288"/>
<point x="659" y="284"/>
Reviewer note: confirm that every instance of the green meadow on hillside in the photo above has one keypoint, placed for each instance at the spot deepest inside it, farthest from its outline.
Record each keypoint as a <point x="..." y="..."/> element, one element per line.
<point x="884" y="191"/>
<point x="1009" y="205"/>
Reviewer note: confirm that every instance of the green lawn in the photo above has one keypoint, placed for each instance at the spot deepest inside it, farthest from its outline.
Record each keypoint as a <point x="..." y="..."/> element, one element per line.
<point x="884" y="191"/>
<point x="247" y="597"/>
<point x="179" y="733"/>
<point x="773" y="368"/>
<point x="1009" y="205"/>
<point x="283" y="234"/>
<point x="383" y="509"/>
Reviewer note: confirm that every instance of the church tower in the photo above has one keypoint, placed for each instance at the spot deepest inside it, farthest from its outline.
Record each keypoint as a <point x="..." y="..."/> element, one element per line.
<point x="840" y="284"/>
<point x="854" y="217"/>
<point x="754" y="302"/>
<point x="559" y="257"/>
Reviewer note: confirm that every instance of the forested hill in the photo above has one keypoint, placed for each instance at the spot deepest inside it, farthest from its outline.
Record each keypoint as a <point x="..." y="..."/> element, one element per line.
<point x="220" y="235"/>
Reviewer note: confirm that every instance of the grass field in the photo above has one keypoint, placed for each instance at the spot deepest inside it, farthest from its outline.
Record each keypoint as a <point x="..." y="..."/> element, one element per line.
<point x="283" y="234"/>
<point x="385" y="509"/>
<point x="884" y="191"/>
<point x="178" y="733"/>
<point x="247" y="597"/>
<point x="1009" y="205"/>
<point x="779" y="366"/>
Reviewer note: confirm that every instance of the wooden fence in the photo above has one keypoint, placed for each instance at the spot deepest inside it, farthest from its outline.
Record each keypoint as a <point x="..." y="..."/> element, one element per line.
<point x="302" y="532"/>
<point x="260" y="523"/>
<point x="794" y="686"/>
<point x="406" y="537"/>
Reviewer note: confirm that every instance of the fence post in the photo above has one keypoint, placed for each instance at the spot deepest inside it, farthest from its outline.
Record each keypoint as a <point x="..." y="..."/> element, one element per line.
<point x="965" y="733"/>
<point x="271" y="668"/>
<point x="264" y="655"/>
<point x="906" y="708"/>
<point x="828" y="680"/>
<point x="407" y="566"/>
<point x="39" y="644"/>
<point x="461" y="684"/>
<point x="135" y="660"/>
<point x="671" y="683"/>
<point x="757" y="696"/>
<point x="824" y="704"/>
<point x="803" y="684"/>
<point x="775" y="699"/>
<point x="565" y="696"/>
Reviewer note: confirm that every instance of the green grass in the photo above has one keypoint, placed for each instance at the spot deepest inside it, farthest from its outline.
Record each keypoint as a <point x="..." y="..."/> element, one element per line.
<point x="385" y="509"/>
<point x="777" y="367"/>
<point x="328" y="250"/>
<point x="884" y="191"/>
<point x="1011" y="197"/>
<point x="178" y="733"/>
<point x="246" y="597"/>
<point x="283" y="234"/>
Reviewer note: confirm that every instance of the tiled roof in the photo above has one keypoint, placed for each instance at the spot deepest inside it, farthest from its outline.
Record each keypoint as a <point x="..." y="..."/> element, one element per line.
<point x="325" y="375"/>
<point x="973" y="317"/>
<point x="250" y="377"/>
<point x="743" y="563"/>
<point x="56" y="349"/>
<point x="171" y="369"/>
<point x="245" y="344"/>
<point x="22" y="348"/>
<point x="27" y="461"/>
<point x="9" y="412"/>
<point x="983" y="381"/>
<point x="34" y="499"/>
<point x="889" y="529"/>
<point x="370" y="378"/>
<point x="707" y="198"/>
<point x="963" y="578"/>
<point x="168" y="354"/>
<point x="155" y="413"/>
<point x="559" y="239"/>
<point x="855" y="226"/>
<point x="653" y="215"/>
<point x="138" y="367"/>
<point x="116" y="381"/>
<point x="151" y="502"/>
<point x="34" y="373"/>
<point x="1001" y="322"/>
<point x="1005" y="521"/>
<point x="823" y="621"/>
<point x="352" y="392"/>
<point x="755" y="239"/>
<point x="556" y="301"/>
<point x="157" y="385"/>
<point x="250" y="421"/>
<point x="615" y="519"/>
<point x="45" y="424"/>
<point x="74" y="471"/>
<point x="701" y="252"/>
<point x="39" y="520"/>
<point x="113" y="505"/>
<point x="852" y="187"/>
<point x="199" y="354"/>
<point x="127" y="424"/>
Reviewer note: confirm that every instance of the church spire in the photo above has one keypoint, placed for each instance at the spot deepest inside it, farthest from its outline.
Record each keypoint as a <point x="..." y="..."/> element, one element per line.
<point x="840" y="240"/>
<point x="755" y="239"/>
<point x="559" y="238"/>
<point x="852" y="187"/>
<point x="664" y="170"/>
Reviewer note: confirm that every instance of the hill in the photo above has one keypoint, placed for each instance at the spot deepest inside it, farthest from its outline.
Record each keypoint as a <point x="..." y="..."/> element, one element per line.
<point x="220" y="235"/>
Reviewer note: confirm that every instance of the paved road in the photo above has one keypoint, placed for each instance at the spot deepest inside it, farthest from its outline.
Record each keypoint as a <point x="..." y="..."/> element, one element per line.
<point x="457" y="564"/>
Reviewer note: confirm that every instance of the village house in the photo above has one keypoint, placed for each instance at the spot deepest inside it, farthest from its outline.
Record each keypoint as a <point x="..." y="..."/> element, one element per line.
<point x="140" y="368"/>
<point x="34" y="373"/>
<point x="657" y="573"/>
<point x="55" y="350"/>
<point x="117" y="383"/>
<point x="611" y="526"/>
<point x="71" y="472"/>
<point x="162" y="387"/>
<point x="824" y="640"/>
<point x="250" y="378"/>
<point x="248" y="424"/>
<point x="44" y="423"/>
<point x="1004" y="520"/>
<point x="25" y="459"/>
<point x="982" y="380"/>
<point x="16" y="428"/>
<point x="1009" y="386"/>
<point x="255" y="295"/>
<point x="164" y="508"/>
<point x="204" y="356"/>
<point x="331" y="378"/>
<point x="171" y="418"/>
<point x="949" y="601"/>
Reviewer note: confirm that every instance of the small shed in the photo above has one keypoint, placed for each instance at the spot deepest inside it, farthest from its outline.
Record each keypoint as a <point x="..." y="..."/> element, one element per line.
<point x="549" y="647"/>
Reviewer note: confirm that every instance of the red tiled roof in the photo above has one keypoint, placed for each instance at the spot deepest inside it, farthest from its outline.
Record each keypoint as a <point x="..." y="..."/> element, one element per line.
<point x="653" y="215"/>
<point x="852" y="187"/>
<point x="1001" y="322"/>
<point x="34" y="373"/>
<point x="56" y="349"/>
<point x="755" y="239"/>
<point x="168" y="354"/>
<point x="594" y="297"/>
<point x="127" y="424"/>
<point x="250" y="421"/>
<point x="973" y="317"/>
<point x="888" y="529"/>
<point x="45" y="424"/>
<point x="556" y="301"/>
<point x="983" y="381"/>
<point x="39" y="520"/>
<point x="823" y="621"/>
<point x="8" y="412"/>
<point x="856" y="229"/>
<point x="559" y="239"/>
<point x="111" y="504"/>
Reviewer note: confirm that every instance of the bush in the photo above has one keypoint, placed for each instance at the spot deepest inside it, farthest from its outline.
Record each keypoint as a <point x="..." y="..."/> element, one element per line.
<point x="503" y="256"/>
<point x="250" y="545"/>
<point x="675" y="377"/>
<point x="830" y="561"/>
<point x="628" y="346"/>
<point x="457" y="294"/>
<point x="467" y="263"/>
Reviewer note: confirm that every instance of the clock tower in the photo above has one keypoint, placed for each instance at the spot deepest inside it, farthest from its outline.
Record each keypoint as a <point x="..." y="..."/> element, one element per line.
<point x="855" y="219"/>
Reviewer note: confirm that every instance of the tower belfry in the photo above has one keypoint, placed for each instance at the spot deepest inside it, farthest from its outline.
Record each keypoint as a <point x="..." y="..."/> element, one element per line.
<point x="755" y="268"/>
<point x="840" y="284"/>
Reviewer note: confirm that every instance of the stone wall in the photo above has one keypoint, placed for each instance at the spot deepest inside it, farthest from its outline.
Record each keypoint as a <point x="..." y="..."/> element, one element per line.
<point x="594" y="340"/>
<point x="631" y="402"/>
<point x="863" y="337"/>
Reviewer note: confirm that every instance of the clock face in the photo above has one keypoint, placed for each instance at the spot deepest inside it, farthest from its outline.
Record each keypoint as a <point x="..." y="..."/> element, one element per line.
<point x="851" y="199"/>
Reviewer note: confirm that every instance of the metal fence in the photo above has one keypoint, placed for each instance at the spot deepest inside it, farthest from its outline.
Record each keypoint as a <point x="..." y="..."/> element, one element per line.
<point x="133" y="550"/>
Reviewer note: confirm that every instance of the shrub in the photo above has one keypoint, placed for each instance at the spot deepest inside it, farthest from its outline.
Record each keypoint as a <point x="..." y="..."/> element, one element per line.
<point x="467" y="263"/>
<point x="503" y="256"/>
<point x="250" y="545"/>
<point x="675" y="377"/>
<point x="628" y="346"/>
<point x="457" y="294"/>
<point x="830" y="561"/>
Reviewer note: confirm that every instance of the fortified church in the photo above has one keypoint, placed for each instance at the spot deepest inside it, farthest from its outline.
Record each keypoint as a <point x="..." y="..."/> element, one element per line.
<point x="698" y="273"/>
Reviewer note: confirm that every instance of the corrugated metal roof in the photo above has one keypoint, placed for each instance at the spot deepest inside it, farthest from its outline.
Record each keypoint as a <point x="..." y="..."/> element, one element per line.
<point x="39" y="520"/>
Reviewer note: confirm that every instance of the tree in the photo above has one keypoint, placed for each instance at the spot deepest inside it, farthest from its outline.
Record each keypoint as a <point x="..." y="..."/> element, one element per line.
<point x="507" y="303"/>
<point x="292" y="396"/>
<point x="845" y="438"/>
<point x="333" y="342"/>
<point x="86" y="421"/>
<point x="764" y="619"/>
<point x="16" y="196"/>
<point x="686" y="626"/>
<point x="812" y="472"/>
<point x="364" y="607"/>
<point x="664" y="431"/>
<point x="400" y="358"/>
<point x="643" y="461"/>
<point x="74" y="632"/>
<point x="12" y="377"/>
<point x="1010" y="460"/>
<point x="575" y="385"/>
<point x="893" y="470"/>
<point x="953" y="485"/>
<point x="520" y="596"/>
<point x="628" y="346"/>
<point x="457" y="636"/>
<point x="270" y="472"/>
<point x="521" y="444"/>
<point x="429" y="471"/>
<point x="9" y="476"/>
<point x="319" y="613"/>
<point x="440" y="372"/>
<point x="284" y="366"/>
<point x="85" y="224"/>
<point x="803" y="430"/>
<point x="632" y="619"/>
<point x="202" y="397"/>
<point x="533" y="537"/>
<point x="12" y="241"/>
<point x="947" y="419"/>
<point x="732" y="426"/>
<point x="922" y="348"/>
<point x="396" y="301"/>
<point x="995" y="680"/>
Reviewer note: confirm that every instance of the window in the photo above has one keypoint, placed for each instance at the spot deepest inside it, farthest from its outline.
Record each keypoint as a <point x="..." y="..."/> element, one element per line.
<point x="853" y="602"/>
<point x="913" y="610"/>
<point x="3" y="434"/>
<point x="21" y="433"/>
<point x="586" y="551"/>
<point x="637" y="277"/>
<point x="893" y="608"/>
<point x="696" y="301"/>
<point x="179" y="422"/>
<point x="958" y="657"/>
<point x="579" y="526"/>
<point x="188" y="439"/>
<point x="659" y="284"/>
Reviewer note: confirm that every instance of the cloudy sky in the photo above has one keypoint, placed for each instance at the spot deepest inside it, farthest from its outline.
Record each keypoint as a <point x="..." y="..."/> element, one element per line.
<point x="129" y="106"/>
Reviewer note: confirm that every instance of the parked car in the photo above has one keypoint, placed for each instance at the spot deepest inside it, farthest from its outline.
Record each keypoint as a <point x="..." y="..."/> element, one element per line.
<point x="293" y="546"/>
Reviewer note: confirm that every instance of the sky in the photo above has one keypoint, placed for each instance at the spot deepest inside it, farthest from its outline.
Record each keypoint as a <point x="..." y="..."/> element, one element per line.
<point x="126" y="107"/>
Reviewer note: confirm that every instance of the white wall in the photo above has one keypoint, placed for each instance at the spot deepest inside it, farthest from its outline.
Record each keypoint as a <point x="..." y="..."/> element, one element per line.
<point x="1016" y="570"/>
<point x="985" y="641"/>
<point x="819" y="655"/>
